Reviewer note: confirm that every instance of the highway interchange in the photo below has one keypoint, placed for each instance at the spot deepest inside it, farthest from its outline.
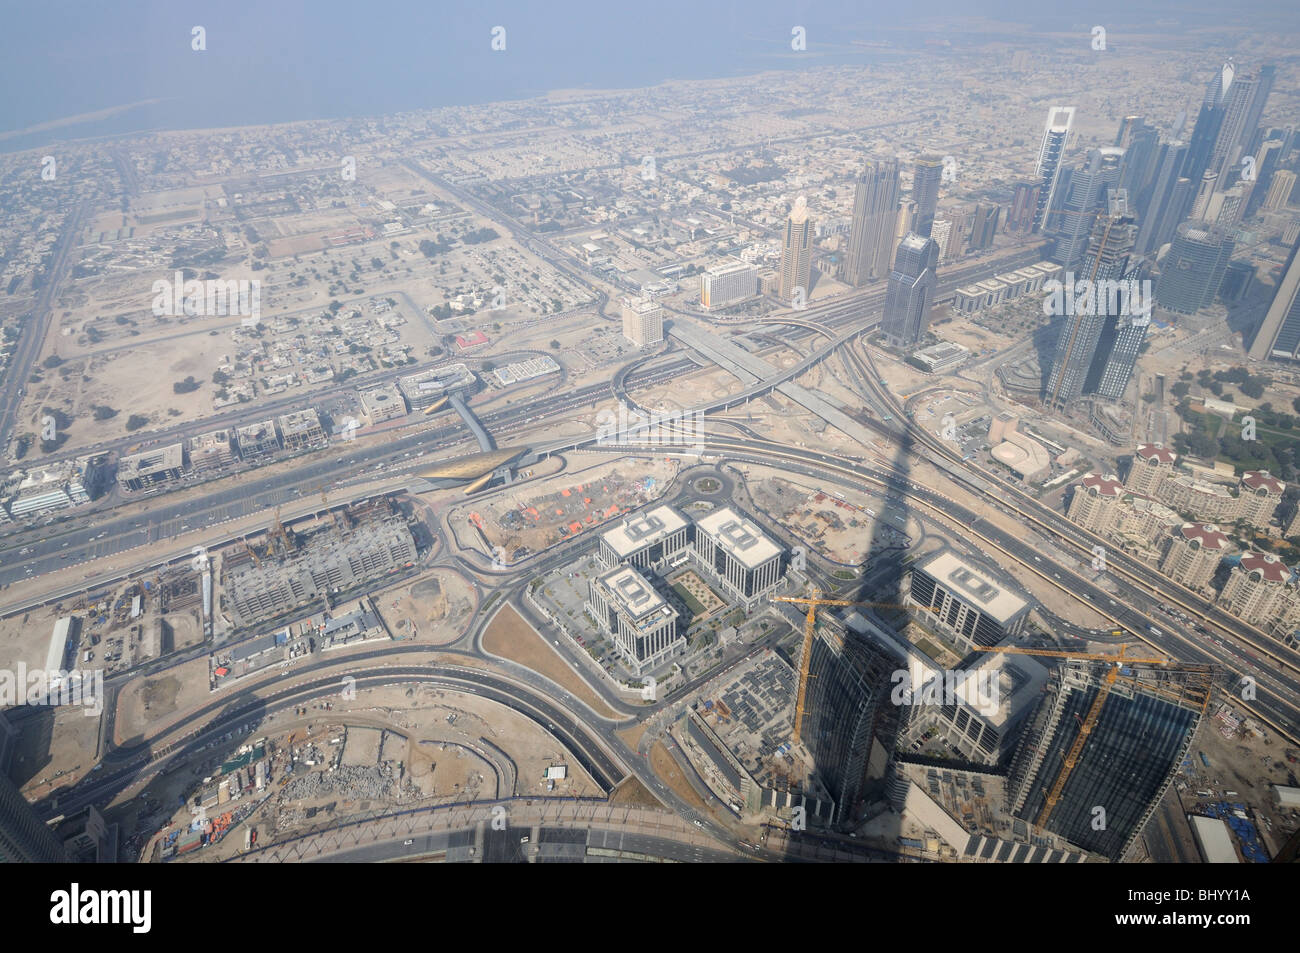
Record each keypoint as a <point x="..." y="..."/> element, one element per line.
<point x="592" y="740"/>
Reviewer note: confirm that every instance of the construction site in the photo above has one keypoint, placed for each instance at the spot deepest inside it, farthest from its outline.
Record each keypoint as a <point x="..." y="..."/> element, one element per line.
<point x="511" y="526"/>
<point x="314" y="564"/>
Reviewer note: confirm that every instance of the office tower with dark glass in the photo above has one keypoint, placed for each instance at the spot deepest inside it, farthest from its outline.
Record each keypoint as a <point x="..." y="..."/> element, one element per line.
<point x="1084" y="197"/>
<point x="848" y="678"/>
<point x="928" y="173"/>
<point x="1194" y="267"/>
<point x="983" y="226"/>
<point x="24" y="837"/>
<point x="796" y="253"/>
<point x="1110" y="258"/>
<point x="875" y="214"/>
<point x="1209" y="122"/>
<point x="1024" y="206"/>
<point x="1056" y="136"/>
<point x="1088" y="337"/>
<point x="1106" y="740"/>
<point x="911" y="290"/>
<point x="1278" y="337"/>
<point x="1165" y="204"/>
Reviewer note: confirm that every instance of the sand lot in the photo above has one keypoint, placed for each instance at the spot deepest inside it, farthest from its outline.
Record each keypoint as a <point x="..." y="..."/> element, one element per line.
<point x="510" y="636"/>
<point x="434" y="608"/>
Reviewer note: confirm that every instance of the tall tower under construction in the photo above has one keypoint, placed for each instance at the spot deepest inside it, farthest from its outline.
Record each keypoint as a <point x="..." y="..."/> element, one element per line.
<point x="1102" y="748"/>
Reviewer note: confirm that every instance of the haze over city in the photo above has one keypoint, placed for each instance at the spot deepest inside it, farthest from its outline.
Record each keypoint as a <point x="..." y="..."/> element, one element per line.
<point x="725" y="433"/>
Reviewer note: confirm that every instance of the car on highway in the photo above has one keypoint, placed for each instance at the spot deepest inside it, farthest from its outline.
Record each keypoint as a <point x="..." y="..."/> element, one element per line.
<point x="407" y="843"/>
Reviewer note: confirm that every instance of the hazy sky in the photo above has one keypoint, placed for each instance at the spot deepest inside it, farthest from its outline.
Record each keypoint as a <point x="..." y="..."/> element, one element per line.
<point x="279" y="60"/>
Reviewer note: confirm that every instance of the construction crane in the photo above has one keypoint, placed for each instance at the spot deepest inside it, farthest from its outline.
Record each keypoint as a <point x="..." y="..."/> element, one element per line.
<point x="812" y="601"/>
<point x="1090" y="720"/>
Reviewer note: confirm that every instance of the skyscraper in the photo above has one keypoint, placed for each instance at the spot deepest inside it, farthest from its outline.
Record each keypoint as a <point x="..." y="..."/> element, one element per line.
<point x="1279" y="333"/>
<point x="1060" y="776"/>
<point x="1243" y="104"/>
<point x="796" y="252"/>
<point x="984" y="226"/>
<point x="1205" y="134"/>
<point x="928" y="173"/>
<point x="1158" y="208"/>
<point x="1088" y="188"/>
<point x="1270" y="151"/>
<point x="1089" y="335"/>
<point x="1056" y="136"/>
<point x="1024" y="206"/>
<point x="875" y="211"/>
<point x="24" y="838"/>
<point x="1193" y="269"/>
<point x="911" y="291"/>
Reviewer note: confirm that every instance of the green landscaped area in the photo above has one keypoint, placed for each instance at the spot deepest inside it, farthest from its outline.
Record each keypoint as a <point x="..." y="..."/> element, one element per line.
<point x="691" y="602"/>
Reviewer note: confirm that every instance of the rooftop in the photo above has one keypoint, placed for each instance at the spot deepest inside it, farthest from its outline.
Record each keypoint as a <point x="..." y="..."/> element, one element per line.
<point x="739" y="536"/>
<point x="633" y="594"/>
<point x="973" y="586"/>
<point x="643" y="529"/>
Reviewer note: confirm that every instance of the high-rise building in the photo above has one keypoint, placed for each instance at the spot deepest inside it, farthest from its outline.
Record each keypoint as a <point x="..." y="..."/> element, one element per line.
<point x="928" y="173"/>
<point x="1279" y="190"/>
<point x="1193" y="554"/>
<point x="984" y="226"/>
<point x="1024" y="207"/>
<point x="1194" y="267"/>
<point x="1278" y="336"/>
<point x="643" y="321"/>
<point x="848" y="679"/>
<point x="1099" y="342"/>
<point x="1089" y="185"/>
<point x="1209" y="122"/>
<point x="1126" y="761"/>
<point x="911" y="291"/>
<point x="727" y="283"/>
<point x="1056" y="136"/>
<point x="1243" y="105"/>
<point x="796" y="253"/>
<point x="24" y="837"/>
<point x="1141" y="152"/>
<point x="875" y="213"/>
<point x="1165" y="204"/>
<point x="1270" y="151"/>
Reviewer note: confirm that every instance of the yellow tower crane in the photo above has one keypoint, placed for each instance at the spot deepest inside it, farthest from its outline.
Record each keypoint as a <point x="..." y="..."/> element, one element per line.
<point x="812" y="601"/>
<point x="1094" y="712"/>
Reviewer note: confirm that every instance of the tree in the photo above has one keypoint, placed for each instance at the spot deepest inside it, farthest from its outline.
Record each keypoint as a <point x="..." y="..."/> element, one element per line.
<point x="52" y="362"/>
<point x="186" y="386"/>
<point x="104" y="412"/>
<point x="135" y="422"/>
<point x="555" y="345"/>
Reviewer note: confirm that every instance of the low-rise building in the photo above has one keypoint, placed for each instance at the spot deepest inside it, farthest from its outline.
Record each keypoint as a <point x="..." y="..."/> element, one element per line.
<point x="382" y="403"/>
<point x="301" y="430"/>
<point x="640" y="621"/>
<point x="151" y="467"/>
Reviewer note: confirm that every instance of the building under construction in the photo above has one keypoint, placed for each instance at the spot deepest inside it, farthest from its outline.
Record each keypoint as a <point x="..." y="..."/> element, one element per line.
<point x="1094" y="774"/>
<point x="294" y="569"/>
<point x="848" y="679"/>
